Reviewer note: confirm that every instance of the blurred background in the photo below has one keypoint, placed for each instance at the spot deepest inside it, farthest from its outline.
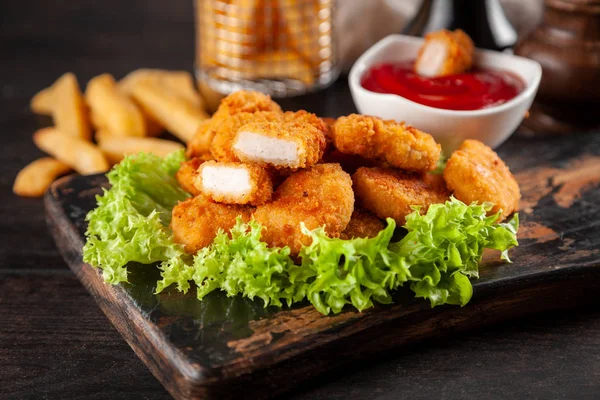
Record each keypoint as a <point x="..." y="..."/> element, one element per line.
<point x="163" y="33"/>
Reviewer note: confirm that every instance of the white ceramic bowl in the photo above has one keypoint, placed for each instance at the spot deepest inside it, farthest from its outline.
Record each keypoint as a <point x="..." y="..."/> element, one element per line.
<point x="491" y="125"/>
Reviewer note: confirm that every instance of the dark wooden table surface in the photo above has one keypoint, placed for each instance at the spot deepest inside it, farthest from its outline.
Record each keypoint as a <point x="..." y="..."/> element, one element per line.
<point x="56" y="343"/>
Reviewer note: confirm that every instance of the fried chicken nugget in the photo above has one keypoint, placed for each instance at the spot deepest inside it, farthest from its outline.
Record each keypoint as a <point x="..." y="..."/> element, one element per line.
<point x="362" y="224"/>
<point x="199" y="146"/>
<point x="284" y="145"/>
<point x="445" y="53"/>
<point x="400" y="145"/>
<point x="238" y="102"/>
<point x="390" y="193"/>
<point x="303" y="116"/>
<point x="474" y="172"/>
<point x="319" y="196"/>
<point x="234" y="183"/>
<point x="196" y="221"/>
<point x="186" y="173"/>
<point x="224" y="133"/>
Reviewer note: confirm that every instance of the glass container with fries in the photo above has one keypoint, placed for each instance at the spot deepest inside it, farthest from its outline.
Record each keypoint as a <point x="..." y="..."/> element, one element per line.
<point x="280" y="47"/>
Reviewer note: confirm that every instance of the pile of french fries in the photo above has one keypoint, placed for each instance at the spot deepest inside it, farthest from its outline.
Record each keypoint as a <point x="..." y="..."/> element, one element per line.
<point x="98" y="128"/>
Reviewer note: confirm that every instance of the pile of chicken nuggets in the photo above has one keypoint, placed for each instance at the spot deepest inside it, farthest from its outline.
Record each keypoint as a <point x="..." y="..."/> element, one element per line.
<point x="254" y="161"/>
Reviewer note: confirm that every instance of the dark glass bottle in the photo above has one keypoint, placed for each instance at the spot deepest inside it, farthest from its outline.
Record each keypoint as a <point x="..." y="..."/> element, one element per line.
<point x="483" y="20"/>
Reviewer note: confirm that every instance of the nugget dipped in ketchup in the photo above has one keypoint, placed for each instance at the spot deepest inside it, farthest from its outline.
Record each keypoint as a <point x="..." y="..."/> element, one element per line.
<point x="443" y="76"/>
<point x="445" y="53"/>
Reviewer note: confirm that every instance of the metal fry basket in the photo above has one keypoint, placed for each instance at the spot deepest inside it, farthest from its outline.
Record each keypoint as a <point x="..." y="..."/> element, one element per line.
<point x="280" y="47"/>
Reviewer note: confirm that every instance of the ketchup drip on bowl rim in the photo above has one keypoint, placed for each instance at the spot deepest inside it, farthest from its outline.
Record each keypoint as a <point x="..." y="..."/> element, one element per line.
<point x="472" y="90"/>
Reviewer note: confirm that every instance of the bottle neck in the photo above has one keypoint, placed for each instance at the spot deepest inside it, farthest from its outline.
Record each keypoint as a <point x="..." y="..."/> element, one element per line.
<point x="483" y="20"/>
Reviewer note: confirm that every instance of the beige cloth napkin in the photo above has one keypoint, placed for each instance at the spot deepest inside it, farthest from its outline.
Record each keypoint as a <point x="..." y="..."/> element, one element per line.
<point x="361" y="23"/>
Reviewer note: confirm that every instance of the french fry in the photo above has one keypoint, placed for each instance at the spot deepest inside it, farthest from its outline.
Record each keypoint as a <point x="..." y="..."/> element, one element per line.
<point x="112" y="109"/>
<point x="36" y="178"/>
<point x="79" y="154"/>
<point x="69" y="111"/>
<point x="42" y="102"/>
<point x="281" y="64"/>
<point x="175" y="113"/>
<point x="115" y="148"/>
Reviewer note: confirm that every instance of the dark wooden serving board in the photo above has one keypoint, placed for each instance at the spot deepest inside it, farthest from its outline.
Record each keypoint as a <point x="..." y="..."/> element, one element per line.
<point x="221" y="347"/>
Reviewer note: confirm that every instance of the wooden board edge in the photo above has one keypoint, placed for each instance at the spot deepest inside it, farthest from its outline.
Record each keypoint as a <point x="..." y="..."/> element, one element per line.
<point x="170" y="367"/>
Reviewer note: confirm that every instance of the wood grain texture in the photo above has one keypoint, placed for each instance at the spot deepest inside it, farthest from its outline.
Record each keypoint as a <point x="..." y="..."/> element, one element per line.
<point x="217" y="347"/>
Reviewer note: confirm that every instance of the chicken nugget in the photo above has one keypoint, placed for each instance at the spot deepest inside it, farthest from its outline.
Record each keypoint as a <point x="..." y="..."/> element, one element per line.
<point x="234" y="183"/>
<point x="245" y="101"/>
<point x="445" y="53"/>
<point x="199" y="146"/>
<point x="197" y="221"/>
<point x="224" y="133"/>
<point x="185" y="175"/>
<point x="474" y="172"/>
<point x="390" y="193"/>
<point x="290" y="145"/>
<point x="303" y="116"/>
<point x="239" y="102"/>
<point x="362" y="224"/>
<point x="319" y="196"/>
<point x="400" y="145"/>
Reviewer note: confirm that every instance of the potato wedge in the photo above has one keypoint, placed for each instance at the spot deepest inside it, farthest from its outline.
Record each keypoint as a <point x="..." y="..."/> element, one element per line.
<point x="175" y="113"/>
<point x="81" y="155"/>
<point x="36" y="177"/>
<point x="69" y="111"/>
<point x="180" y="82"/>
<point x="112" y="109"/>
<point x="42" y="102"/>
<point x="115" y="148"/>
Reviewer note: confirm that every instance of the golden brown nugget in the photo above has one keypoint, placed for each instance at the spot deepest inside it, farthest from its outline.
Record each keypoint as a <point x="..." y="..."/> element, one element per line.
<point x="197" y="221"/>
<point x="234" y="183"/>
<point x="390" y="193"/>
<point x="225" y="132"/>
<point x="474" y="172"/>
<point x="186" y="173"/>
<point x="445" y="53"/>
<point x="36" y="178"/>
<point x="245" y="101"/>
<point x="200" y="143"/>
<point x="238" y="102"/>
<point x="112" y="109"/>
<point x="362" y="224"/>
<point x="400" y="145"/>
<point x="304" y="117"/>
<point x="290" y="145"/>
<point x="319" y="196"/>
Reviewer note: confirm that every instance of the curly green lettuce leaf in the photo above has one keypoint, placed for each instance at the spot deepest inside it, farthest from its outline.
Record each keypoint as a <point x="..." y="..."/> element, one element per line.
<point x="239" y="263"/>
<point x="130" y="222"/>
<point x="357" y="271"/>
<point x="444" y="248"/>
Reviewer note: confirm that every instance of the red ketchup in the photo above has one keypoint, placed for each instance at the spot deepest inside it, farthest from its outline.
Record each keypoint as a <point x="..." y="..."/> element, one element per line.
<point x="473" y="90"/>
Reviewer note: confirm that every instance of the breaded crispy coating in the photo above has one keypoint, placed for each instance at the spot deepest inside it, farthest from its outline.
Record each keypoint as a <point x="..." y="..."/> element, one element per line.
<point x="199" y="146"/>
<point x="362" y="224"/>
<point x="186" y="173"/>
<point x="319" y="196"/>
<point x="234" y="183"/>
<point x="224" y="134"/>
<point x="390" y="193"/>
<point x="474" y="172"/>
<point x="304" y="117"/>
<point x="445" y="53"/>
<point x="245" y="101"/>
<point x="290" y="145"/>
<point x="400" y="145"/>
<point x="196" y="221"/>
<point x="235" y="103"/>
